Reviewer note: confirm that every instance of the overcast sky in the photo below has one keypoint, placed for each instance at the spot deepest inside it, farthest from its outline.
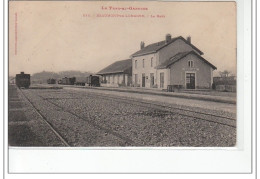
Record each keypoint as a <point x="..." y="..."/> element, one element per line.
<point x="55" y="36"/>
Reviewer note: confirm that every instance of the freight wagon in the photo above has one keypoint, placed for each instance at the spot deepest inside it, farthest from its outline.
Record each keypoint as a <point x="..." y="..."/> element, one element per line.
<point x="23" y="80"/>
<point x="51" y="81"/>
<point x="67" y="81"/>
<point x="93" y="80"/>
<point x="81" y="81"/>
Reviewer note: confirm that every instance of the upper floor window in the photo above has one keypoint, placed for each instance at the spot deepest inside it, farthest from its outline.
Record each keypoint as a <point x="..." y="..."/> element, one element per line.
<point x="143" y="63"/>
<point x="135" y="63"/>
<point x="152" y="62"/>
<point x="190" y="63"/>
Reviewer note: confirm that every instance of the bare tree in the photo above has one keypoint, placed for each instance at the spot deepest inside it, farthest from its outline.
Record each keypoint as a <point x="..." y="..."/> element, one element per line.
<point x="224" y="73"/>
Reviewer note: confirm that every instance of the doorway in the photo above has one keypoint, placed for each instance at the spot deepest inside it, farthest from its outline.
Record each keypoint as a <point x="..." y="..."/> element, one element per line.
<point x="161" y="80"/>
<point x="152" y="80"/>
<point x="190" y="80"/>
<point x="143" y="80"/>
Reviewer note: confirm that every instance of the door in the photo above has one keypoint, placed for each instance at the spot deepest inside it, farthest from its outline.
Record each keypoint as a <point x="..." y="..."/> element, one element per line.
<point x="143" y="80"/>
<point x="190" y="80"/>
<point x="136" y="79"/>
<point x="161" y="80"/>
<point x="152" y="80"/>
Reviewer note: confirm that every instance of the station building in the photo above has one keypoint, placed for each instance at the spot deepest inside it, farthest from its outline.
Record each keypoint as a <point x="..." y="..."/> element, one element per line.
<point x="173" y="61"/>
<point x="117" y="74"/>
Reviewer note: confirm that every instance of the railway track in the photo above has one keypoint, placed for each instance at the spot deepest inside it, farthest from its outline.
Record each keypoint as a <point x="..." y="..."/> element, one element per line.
<point x="53" y="129"/>
<point x="89" y="121"/>
<point x="191" y="114"/>
<point x="187" y="114"/>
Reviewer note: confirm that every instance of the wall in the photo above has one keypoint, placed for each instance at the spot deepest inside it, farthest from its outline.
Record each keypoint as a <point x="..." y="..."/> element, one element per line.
<point x="115" y="79"/>
<point x="174" y="48"/>
<point x="203" y="72"/>
<point x="147" y="69"/>
<point x="164" y="54"/>
<point x="166" y="78"/>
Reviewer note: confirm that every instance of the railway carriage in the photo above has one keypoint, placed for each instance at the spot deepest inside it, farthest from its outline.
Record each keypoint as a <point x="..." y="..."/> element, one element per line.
<point x="23" y="80"/>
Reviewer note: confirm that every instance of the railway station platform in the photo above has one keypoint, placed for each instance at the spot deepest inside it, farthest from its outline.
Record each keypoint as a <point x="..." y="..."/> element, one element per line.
<point x="213" y="96"/>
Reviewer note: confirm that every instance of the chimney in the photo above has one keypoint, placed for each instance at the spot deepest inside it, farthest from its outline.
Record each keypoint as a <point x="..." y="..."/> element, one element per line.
<point x="22" y="73"/>
<point x="168" y="38"/>
<point x="142" y="45"/>
<point x="189" y="39"/>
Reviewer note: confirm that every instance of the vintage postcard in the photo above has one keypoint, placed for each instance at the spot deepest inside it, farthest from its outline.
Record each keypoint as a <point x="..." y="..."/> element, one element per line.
<point x="122" y="74"/>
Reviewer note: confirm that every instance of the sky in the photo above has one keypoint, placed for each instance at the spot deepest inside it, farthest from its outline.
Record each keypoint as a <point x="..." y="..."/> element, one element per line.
<point x="63" y="35"/>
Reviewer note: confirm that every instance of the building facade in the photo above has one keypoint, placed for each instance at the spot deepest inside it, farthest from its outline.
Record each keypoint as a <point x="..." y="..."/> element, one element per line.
<point x="117" y="74"/>
<point x="173" y="61"/>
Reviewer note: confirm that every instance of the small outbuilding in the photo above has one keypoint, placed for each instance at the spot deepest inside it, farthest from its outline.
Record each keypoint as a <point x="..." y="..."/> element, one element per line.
<point x="117" y="74"/>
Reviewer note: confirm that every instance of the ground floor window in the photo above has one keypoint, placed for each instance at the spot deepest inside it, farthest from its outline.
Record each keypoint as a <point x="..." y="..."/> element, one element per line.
<point x="117" y="79"/>
<point x="136" y="78"/>
<point x="104" y="79"/>
<point x="152" y="79"/>
<point x="161" y="80"/>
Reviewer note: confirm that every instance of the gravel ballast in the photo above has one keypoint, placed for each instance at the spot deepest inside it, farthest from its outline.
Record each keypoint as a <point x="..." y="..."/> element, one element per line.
<point x="84" y="119"/>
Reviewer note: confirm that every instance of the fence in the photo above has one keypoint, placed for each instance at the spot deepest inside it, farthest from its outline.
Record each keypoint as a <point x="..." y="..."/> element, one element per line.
<point x="229" y="88"/>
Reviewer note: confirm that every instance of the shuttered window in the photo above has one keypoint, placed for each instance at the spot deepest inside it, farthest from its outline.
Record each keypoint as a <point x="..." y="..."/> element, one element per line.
<point x="190" y="63"/>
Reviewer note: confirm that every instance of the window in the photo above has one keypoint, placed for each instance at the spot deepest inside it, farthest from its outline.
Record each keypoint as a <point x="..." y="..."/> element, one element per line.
<point x="190" y="63"/>
<point x="151" y="80"/>
<point x="117" y="79"/>
<point x="161" y="80"/>
<point x="136" y="79"/>
<point x="143" y="79"/>
<point x="143" y="63"/>
<point x="152" y="62"/>
<point x="135" y="63"/>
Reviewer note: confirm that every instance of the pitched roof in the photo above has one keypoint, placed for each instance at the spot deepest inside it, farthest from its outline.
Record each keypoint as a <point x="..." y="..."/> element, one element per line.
<point x="117" y="67"/>
<point x="155" y="47"/>
<point x="178" y="57"/>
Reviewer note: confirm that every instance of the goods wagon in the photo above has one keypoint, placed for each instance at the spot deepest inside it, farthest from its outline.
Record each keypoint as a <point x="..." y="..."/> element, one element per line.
<point x="23" y="80"/>
<point x="93" y="80"/>
<point x="51" y="81"/>
<point x="81" y="81"/>
<point x="67" y="81"/>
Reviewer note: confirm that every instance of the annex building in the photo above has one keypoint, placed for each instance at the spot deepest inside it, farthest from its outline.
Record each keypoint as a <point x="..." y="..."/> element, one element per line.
<point x="173" y="61"/>
<point x="117" y="74"/>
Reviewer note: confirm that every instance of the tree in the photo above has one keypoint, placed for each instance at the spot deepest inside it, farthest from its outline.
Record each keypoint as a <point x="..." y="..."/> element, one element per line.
<point x="224" y="73"/>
